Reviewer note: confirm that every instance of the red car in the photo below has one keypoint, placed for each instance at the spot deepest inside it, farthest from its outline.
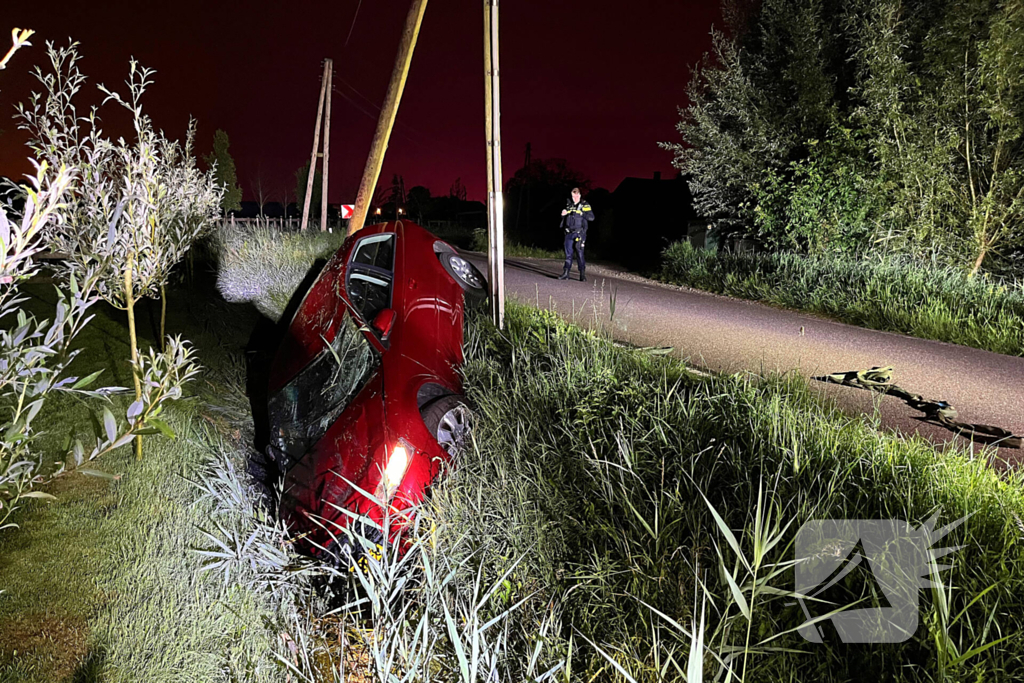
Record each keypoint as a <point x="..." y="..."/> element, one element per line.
<point x="365" y="391"/>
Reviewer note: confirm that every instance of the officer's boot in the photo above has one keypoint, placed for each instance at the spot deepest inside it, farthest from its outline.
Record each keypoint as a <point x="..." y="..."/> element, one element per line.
<point x="583" y="274"/>
<point x="565" y="273"/>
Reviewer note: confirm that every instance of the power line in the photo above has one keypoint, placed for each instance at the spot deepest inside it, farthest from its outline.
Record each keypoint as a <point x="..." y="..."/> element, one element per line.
<point x="373" y="116"/>
<point x="374" y="105"/>
<point x="352" y="27"/>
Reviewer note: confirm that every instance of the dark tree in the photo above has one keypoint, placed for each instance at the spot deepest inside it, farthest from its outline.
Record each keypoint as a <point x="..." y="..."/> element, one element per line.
<point x="419" y="203"/>
<point x="225" y="174"/>
<point x="535" y="197"/>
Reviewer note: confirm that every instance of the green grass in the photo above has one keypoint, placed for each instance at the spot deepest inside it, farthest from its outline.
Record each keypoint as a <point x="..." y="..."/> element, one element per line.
<point x="579" y="511"/>
<point x="911" y="298"/>
<point x="104" y="583"/>
<point x="593" y="462"/>
<point x="455" y="234"/>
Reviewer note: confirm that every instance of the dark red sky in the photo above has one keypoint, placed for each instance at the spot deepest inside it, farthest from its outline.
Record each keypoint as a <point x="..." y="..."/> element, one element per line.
<point x="597" y="83"/>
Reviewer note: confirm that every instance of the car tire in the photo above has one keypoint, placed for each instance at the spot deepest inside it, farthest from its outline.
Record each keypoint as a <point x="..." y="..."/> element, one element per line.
<point x="472" y="281"/>
<point x="449" y="420"/>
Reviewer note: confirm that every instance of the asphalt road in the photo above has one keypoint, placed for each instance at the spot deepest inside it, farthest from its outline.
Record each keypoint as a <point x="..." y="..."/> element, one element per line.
<point x="729" y="335"/>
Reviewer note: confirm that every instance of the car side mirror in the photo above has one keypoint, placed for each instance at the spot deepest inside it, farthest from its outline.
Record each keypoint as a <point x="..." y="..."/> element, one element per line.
<point x="384" y="321"/>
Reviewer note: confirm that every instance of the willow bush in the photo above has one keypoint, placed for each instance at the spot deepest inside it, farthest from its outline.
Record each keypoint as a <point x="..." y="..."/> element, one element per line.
<point x="135" y="207"/>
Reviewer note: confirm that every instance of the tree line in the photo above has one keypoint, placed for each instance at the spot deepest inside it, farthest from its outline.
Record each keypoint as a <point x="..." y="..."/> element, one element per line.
<point x="863" y="126"/>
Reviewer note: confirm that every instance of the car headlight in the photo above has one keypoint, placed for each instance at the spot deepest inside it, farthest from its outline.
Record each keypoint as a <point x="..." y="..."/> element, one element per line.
<point x="394" y="471"/>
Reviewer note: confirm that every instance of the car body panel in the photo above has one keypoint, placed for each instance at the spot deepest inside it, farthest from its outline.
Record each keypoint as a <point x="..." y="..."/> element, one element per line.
<point x="424" y="346"/>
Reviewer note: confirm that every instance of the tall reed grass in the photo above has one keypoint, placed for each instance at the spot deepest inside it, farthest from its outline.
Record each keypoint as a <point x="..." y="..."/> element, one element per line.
<point x="918" y="299"/>
<point x="263" y="265"/>
<point x="651" y="510"/>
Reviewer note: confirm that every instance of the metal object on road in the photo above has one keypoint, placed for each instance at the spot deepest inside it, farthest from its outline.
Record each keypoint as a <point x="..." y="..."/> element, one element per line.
<point x="879" y="379"/>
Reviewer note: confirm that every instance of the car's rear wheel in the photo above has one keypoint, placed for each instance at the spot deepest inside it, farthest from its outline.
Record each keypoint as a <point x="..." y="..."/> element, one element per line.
<point x="449" y="420"/>
<point x="465" y="273"/>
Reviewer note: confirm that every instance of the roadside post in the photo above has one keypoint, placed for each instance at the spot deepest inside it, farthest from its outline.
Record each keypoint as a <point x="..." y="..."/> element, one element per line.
<point x="495" y="209"/>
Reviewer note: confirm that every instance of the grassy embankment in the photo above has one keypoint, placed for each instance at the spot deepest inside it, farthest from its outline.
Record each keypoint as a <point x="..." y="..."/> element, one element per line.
<point x="594" y="462"/>
<point x="899" y="296"/>
<point x="104" y="583"/>
<point x="514" y="249"/>
<point x="583" y="497"/>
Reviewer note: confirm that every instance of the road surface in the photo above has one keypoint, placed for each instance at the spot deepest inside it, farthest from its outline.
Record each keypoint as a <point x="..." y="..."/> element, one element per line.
<point x="729" y="335"/>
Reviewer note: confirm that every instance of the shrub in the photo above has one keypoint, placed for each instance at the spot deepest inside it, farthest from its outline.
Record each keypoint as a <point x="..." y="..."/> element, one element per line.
<point x="35" y="355"/>
<point x="134" y="209"/>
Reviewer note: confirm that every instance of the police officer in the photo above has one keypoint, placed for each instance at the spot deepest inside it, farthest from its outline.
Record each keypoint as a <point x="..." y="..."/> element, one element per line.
<point x="576" y="218"/>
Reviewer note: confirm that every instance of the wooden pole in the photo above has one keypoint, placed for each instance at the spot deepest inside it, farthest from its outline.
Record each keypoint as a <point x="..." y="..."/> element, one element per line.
<point x="316" y="146"/>
<point x="488" y="134"/>
<point x="387" y="115"/>
<point x="496" y="252"/>
<point x="329" y="70"/>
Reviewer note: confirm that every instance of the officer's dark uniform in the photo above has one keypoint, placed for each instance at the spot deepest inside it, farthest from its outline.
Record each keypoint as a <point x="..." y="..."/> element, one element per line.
<point x="575" y="224"/>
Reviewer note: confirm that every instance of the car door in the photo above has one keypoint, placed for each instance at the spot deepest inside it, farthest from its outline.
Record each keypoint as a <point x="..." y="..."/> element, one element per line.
<point x="370" y="275"/>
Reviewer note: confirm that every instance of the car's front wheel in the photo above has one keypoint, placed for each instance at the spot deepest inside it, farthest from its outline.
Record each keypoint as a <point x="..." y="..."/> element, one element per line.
<point x="465" y="273"/>
<point x="448" y="419"/>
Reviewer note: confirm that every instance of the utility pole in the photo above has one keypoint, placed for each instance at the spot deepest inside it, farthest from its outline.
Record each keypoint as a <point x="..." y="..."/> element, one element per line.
<point x="492" y="119"/>
<point x="324" y="89"/>
<point x="327" y="145"/>
<point x="387" y="115"/>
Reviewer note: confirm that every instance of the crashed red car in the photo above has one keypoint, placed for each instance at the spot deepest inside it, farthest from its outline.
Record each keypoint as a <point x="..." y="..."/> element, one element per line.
<point x="365" y="392"/>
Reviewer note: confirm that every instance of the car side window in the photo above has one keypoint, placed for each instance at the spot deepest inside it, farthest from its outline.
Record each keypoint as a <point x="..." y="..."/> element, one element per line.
<point x="305" y="408"/>
<point x="377" y="251"/>
<point x="370" y="274"/>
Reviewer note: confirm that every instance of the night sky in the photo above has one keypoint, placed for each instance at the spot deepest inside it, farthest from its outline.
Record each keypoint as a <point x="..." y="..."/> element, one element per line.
<point x="597" y="83"/>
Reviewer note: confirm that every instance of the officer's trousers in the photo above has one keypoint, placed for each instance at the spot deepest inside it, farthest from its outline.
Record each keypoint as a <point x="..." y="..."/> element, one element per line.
<point x="574" y="243"/>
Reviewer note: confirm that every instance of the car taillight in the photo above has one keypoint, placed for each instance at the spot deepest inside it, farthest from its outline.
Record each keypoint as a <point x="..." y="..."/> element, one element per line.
<point x="394" y="472"/>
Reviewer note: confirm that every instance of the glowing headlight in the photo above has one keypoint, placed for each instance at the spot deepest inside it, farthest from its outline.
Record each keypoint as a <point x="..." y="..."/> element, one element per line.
<point x="394" y="472"/>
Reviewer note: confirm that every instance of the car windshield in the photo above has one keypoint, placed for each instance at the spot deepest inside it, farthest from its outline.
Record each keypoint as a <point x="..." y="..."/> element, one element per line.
<point x="370" y="275"/>
<point x="303" y="410"/>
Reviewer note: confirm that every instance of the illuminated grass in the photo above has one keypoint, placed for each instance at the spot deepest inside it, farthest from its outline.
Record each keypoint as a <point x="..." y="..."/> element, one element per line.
<point x="103" y="584"/>
<point x="581" y="504"/>
<point x="911" y="298"/>
<point x="264" y="265"/>
<point x="593" y="461"/>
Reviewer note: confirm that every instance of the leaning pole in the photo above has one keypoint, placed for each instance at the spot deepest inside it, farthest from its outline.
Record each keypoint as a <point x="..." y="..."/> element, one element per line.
<point x="387" y="115"/>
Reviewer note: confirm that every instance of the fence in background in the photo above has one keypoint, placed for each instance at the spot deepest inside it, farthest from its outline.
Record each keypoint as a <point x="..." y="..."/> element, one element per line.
<point x="284" y="224"/>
